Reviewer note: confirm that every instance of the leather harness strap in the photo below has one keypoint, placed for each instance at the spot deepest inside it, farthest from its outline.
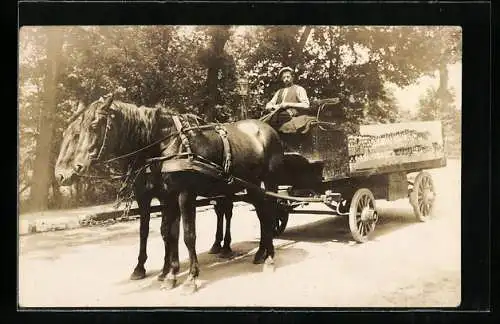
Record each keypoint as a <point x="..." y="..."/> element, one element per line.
<point x="221" y="131"/>
<point x="184" y="138"/>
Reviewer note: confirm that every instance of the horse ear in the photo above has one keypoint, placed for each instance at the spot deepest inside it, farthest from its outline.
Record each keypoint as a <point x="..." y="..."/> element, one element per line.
<point x="107" y="102"/>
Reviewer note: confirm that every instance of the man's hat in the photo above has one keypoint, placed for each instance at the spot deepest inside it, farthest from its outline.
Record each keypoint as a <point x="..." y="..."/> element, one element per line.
<point x="286" y="68"/>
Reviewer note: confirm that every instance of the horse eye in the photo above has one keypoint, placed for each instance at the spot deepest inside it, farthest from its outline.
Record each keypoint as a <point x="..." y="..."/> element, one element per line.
<point x="94" y="124"/>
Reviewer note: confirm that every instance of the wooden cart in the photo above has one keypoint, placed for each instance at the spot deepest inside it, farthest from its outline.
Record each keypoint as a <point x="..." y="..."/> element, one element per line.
<point x="348" y="167"/>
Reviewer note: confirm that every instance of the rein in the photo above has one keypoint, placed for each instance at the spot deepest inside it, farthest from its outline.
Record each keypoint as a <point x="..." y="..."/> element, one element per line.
<point x="180" y="132"/>
<point x="177" y="133"/>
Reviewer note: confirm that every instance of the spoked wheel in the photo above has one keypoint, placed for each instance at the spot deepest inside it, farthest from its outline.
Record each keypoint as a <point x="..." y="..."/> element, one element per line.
<point x="422" y="196"/>
<point x="280" y="221"/>
<point x="362" y="215"/>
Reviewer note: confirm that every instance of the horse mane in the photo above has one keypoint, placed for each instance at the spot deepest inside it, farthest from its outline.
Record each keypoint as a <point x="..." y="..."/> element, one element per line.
<point x="138" y="129"/>
<point x="139" y="124"/>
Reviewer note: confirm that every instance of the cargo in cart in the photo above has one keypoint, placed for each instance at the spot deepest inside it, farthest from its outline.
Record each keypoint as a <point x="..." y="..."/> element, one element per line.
<point x="349" y="166"/>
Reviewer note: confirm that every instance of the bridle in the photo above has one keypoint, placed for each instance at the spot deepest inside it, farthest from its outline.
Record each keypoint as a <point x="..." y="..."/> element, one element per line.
<point x="181" y="131"/>
<point x="104" y="144"/>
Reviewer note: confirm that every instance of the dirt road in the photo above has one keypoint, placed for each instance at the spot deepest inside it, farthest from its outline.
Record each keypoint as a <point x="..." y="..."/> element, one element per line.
<point x="406" y="264"/>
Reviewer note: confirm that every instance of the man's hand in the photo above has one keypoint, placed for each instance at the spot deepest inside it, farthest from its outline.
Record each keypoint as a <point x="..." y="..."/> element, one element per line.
<point x="292" y="112"/>
<point x="273" y="107"/>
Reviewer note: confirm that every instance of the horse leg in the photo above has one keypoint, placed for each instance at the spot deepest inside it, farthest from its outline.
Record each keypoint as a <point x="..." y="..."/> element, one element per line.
<point x="170" y="234"/>
<point x="188" y="211"/>
<point x="174" y="249"/>
<point x="145" y="213"/>
<point x="165" y="224"/>
<point x="228" y="212"/>
<point x="219" y="211"/>
<point x="265" y="211"/>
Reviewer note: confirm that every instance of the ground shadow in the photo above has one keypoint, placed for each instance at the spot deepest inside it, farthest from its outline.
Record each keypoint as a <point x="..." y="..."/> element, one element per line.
<point x="62" y="241"/>
<point x="214" y="268"/>
<point x="336" y="229"/>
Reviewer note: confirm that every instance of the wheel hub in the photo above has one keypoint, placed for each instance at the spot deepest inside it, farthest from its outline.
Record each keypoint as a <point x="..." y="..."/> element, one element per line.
<point x="368" y="214"/>
<point x="428" y="195"/>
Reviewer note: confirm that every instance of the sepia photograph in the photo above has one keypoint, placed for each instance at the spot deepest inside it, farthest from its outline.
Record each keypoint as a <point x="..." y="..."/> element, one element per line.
<point x="176" y="166"/>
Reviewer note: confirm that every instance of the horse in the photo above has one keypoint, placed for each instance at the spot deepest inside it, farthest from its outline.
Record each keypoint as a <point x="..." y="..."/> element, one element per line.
<point x="145" y="188"/>
<point x="111" y="128"/>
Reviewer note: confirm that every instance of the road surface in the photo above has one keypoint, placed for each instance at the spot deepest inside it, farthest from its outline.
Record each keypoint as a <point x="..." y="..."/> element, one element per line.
<point x="406" y="264"/>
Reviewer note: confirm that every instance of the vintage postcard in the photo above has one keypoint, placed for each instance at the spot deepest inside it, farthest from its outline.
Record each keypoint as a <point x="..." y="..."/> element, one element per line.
<point x="240" y="166"/>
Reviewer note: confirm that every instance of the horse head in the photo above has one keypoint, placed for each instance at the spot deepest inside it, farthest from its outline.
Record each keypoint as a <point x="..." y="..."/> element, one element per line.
<point x="86" y="140"/>
<point x="64" y="164"/>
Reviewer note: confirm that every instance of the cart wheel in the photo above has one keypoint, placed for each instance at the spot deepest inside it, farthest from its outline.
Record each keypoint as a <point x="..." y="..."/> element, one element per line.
<point x="422" y="196"/>
<point x="362" y="215"/>
<point x="280" y="221"/>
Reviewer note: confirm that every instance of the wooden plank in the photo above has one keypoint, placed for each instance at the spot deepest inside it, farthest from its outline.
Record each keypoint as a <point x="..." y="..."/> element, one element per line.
<point x="372" y="163"/>
<point x="407" y="167"/>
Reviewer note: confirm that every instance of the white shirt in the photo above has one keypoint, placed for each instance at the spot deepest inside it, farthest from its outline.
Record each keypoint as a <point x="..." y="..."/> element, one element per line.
<point x="301" y="95"/>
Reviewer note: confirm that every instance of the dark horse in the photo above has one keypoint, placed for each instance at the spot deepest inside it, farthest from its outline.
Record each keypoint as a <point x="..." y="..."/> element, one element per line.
<point x="146" y="187"/>
<point x="111" y="128"/>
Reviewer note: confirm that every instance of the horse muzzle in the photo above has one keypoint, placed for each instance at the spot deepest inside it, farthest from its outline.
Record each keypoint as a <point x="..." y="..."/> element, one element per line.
<point x="67" y="176"/>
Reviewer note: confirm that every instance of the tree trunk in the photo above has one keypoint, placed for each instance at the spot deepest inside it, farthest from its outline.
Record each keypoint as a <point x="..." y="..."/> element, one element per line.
<point x="301" y="44"/>
<point x="42" y="172"/>
<point x="294" y="61"/>
<point x="219" y="37"/>
<point x="303" y="39"/>
<point x="334" y="63"/>
<point x="211" y="100"/>
<point x="443" y="94"/>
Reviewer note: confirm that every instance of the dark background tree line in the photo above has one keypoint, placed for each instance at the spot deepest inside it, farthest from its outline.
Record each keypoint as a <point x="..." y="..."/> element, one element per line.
<point x="197" y="68"/>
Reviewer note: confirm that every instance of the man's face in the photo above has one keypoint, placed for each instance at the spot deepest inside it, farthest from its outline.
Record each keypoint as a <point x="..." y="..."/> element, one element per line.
<point x="287" y="78"/>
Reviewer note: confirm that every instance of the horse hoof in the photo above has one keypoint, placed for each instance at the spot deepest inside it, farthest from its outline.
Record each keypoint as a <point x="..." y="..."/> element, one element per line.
<point x="226" y="253"/>
<point x="260" y="257"/>
<point x="190" y="287"/>
<point x="161" y="276"/>
<point x="169" y="284"/>
<point x="269" y="265"/>
<point x="258" y="261"/>
<point x="215" y="249"/>
<point x="138" y="274"/>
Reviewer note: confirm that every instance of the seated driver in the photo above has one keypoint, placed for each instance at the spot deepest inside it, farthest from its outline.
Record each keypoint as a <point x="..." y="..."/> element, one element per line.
<point x="291" y="100"/>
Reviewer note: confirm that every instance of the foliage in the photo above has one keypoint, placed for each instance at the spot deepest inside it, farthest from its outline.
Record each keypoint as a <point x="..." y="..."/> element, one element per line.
<point x="430" y="108"/>
<point x="351" y="63"/>
<point x="196" y="68"/>
<point x="428" y="105"/>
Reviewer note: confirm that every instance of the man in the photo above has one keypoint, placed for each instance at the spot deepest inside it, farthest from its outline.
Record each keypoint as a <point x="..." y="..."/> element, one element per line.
<point x="287" y="103"/>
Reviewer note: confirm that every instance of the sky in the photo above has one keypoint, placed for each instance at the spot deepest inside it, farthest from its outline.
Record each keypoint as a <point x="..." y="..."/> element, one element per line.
<point x="408" y="97"/>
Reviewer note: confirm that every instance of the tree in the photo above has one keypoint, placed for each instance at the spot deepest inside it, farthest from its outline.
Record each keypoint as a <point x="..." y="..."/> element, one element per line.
<point x="352" y="63"/>
<point x="43" y="174"/>
<point x="194" y="69"/>
<point x="429" y="106"/>
<point x="220" y="67"/>
<point x="449" y="41"/>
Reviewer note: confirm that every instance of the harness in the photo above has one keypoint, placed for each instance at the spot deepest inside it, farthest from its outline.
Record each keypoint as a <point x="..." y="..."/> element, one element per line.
<point x="187" y="160"/>
<point x="184" y="160"/>
<point x="109" y="117"/>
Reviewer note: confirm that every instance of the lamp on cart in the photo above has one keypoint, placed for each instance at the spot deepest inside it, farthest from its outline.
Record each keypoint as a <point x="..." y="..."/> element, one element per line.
<point x="243" y="92"/>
